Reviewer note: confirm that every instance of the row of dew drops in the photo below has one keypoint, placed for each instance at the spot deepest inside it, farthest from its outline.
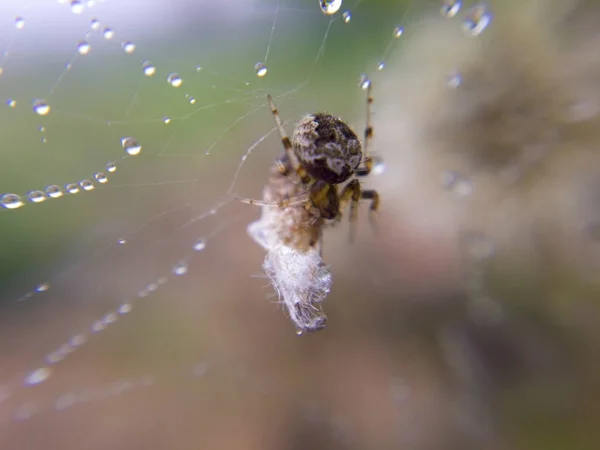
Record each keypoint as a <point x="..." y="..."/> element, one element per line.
<point x="14" y="201"/>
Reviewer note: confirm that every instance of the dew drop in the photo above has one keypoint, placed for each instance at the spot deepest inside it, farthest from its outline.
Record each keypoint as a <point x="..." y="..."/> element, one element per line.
<point x="101" y="177"/>
<point x="128" y="46"/>
<point x="125" y="308"/>
<point x="200" y="245"/>
<point x="143" y="293"/>
<point x="54" y="191"/>
<point x="192" y="100"/>
<point x="77" y="340"/>
<point x="152" y="287"/>
<point x="108" y="33"/>
<point x="121" y="241"/>
<point x="42" y="287"/>
<point x="86" y="185"/>
<point x="36" y="196"/>
<point x="398" y="31"/>
<point x="131" y="146"/>
<point x="457" y="183"/>
<point x="11" y="201"/>
<point x="98" y="326"/>
<point x="364" y="82"/>
<point x="72" y="188"/>
<point x="174" y="79"/>
<point x="347" y="16"/>
<point x="19" y="23"/>
<point x="378" y="166"/>
<point x="330" y="7"/>
<point x="450" y="8"/>
<point x="478" y="19"/>
<point x="381" y="66"/>
<point x="38" y="376"/>
<point x="166" y="120"/>
<point x="54" y="357"/>
<point x="111" y="167"/>
<point x="180" y="268"/>
<point x="260" y="69"/>
<point x="95" y="24"/>
<point x="41" y="107"/>
<point x="12" y="103"/>
<point x="83" y="47"/>
<point x="109" y="318"/>
<point x="161" y="280"/>
<point x="454" y="80"/>
<point x="148" y="68"/>
<point x="299" y="332"/>
<point x="76" y="7"/>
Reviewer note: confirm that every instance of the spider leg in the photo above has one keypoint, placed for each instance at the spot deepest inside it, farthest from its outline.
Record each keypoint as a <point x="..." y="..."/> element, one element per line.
<point x="353" y="193"/>
<point x="287" y="145"/>
<point x="367" y="159"/>
<point x="292" y="201"/>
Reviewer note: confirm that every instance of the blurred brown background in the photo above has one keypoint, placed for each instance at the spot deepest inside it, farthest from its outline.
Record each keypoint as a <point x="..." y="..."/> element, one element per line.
<point x="462" y="321"/>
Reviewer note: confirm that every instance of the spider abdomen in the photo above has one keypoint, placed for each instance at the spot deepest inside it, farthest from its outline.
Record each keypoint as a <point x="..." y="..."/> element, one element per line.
<point x="326" y="148"/>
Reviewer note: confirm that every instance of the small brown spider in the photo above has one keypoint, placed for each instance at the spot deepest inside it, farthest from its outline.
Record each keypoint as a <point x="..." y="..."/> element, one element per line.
<point x="303" y="196"/>
<point x="324" y="153"/>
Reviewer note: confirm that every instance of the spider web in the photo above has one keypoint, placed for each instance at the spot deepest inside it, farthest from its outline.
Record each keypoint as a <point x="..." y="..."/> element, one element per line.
<point x="129" y="308"/>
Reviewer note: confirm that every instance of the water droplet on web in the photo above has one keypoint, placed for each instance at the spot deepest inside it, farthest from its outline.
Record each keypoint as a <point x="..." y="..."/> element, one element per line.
<point x="54" y="191"/>
<point x="131" y="146"/>
<point x="347" y="16"/>
<point x="42" y="287"/>
<point x="101" y="177"/>
<point x="364" y="82"/>
<point x="11" y="201"/>
<point x="121" y="241"/>
<point x="478" y="18"/>
<point x="95" y="24"/>
<point x="143" y="293"/>
<point x="381" y="66"/>
<point x="77" y="340"/>
<point x="200" y="245"/>
<point x="450" y="8"/>
<point x="378" y="166"/>
<point x="398" y="31"/>
<point x="41" y="107"/>
<point x="12" y="103"/>
<point x="98" y="326"/>
<point x="152" y="287"/>
<point x="108" y="33"/>
<point x="180" y="268"/>
<point x="36" y="196"/>
<point x="86" y="185"/>
<point x="454" y="80"/>
<point x="148" y="68"/>
<point x="19" y="23"/>
<point x="299" y="332"/>
<point x="76" y="7"/>
<point x="174" y="79"/>
<point x="457" y="183"/>
<point x="83" y="47"/>
<point x="109" y="318"/>
<point x="111" y="167"/>
<point x="128" y="46"/>
<point x="125" y="308"/>
<point x="330" y="6"/>
<point x="260" y="69"/>
<point x="192" y="100"/>
<point x="38" y="376"/>
<point x="166" y="120"/>
<point x="72" y="188"/>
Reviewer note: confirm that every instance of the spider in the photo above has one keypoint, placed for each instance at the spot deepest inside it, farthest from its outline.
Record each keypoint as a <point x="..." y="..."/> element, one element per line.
<point x="302" y="197"/>
<point x="324" y="153"/>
